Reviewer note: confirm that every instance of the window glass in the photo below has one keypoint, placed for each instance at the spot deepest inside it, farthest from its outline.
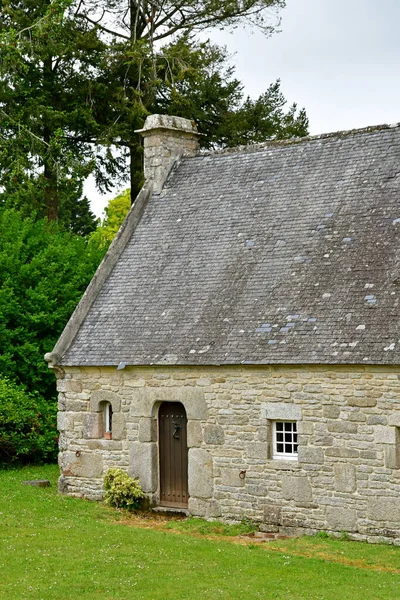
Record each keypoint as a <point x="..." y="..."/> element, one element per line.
<point x="285" y="439"/>
<point x="108" y="417"/>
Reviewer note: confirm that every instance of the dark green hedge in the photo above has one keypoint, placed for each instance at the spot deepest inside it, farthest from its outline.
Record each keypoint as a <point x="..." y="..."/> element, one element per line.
<point x="27" y="426"/>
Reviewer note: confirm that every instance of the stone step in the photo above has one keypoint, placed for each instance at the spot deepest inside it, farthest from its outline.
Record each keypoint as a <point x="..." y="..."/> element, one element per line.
<point x="37" y="482"/>
<point x="170" y="511"/>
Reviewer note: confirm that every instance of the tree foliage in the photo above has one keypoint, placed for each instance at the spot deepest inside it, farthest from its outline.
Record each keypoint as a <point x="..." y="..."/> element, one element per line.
<point x="156" y="62"/>
<point x="77" y="77"/>
<point x="27" y="425"/>
<point x="265" y="118"/>
<point x="116" y="211"/>
<point x="206" y="91"/>
<point x="47" y="65"/>
<point x="43" y="273"/>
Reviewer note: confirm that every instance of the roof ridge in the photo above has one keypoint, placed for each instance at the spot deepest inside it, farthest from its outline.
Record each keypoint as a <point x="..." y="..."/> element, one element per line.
<point x="298" y="140"/>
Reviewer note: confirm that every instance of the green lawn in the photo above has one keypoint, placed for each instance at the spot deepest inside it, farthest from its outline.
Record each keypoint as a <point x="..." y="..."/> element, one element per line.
<point x="55" y="547"/>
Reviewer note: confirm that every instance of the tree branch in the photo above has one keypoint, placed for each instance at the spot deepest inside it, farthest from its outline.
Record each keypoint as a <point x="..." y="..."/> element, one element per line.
<point x="190" y="19"/>
<point x="28" y="131"/>
<point x="101" y="27"/>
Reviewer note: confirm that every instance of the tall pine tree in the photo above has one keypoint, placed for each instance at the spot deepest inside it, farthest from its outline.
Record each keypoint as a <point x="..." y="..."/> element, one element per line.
<point x="48" y="62"/>
<point x="77" y="77"/>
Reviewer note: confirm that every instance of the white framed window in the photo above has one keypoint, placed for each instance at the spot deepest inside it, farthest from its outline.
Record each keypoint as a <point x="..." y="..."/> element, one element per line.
<point x="284" y="440"/>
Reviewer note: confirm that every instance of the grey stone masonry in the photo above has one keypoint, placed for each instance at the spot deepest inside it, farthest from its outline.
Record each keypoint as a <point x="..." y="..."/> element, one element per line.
<point x="165" y="140"/>
<point x="347" y="476"/>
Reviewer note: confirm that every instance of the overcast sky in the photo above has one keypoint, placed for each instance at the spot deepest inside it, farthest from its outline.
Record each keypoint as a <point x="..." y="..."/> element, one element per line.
<point x="338" y="58"/>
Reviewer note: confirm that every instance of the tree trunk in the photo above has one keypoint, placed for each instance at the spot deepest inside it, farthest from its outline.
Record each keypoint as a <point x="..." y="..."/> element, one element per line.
<point x="136" y="170"/>
<point x="135" y="150"/>
<point x="50" y="191"/>
<point x="51" y="201"/>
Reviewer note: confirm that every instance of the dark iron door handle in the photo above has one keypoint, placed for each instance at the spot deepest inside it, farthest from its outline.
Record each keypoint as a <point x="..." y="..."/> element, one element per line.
<point x="177" y="427"/>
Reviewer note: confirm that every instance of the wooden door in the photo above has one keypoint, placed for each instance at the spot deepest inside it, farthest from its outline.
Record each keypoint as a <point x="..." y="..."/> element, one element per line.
<point x="173" y="450"/>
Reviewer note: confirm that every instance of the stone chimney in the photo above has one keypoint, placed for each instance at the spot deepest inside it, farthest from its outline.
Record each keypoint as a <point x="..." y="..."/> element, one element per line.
<point x="165" y="140"/>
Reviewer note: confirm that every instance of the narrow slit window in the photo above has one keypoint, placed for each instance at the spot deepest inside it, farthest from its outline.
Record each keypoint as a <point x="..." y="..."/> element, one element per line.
<point x="108" y="418"/>
<point x="285" y="440"/>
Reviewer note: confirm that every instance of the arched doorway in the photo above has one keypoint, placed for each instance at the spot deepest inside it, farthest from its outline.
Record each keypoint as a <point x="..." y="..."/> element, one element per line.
<point x="173" y="454"/>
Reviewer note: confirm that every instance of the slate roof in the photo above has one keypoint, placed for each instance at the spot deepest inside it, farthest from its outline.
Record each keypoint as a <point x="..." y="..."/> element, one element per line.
<point x="284" y="253"/>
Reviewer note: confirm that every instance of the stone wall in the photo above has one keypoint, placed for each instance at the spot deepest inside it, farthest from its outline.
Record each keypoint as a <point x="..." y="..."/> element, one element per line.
<point x="347" y="476"/>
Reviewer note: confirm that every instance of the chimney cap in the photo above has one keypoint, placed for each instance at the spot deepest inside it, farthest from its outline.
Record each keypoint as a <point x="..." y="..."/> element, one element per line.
<point x="167" y="122"/>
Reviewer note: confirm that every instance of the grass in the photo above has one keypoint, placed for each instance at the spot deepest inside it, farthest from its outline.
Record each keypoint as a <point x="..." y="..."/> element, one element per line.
<point x="52" y="547"/>
<point x="211" y="528"/>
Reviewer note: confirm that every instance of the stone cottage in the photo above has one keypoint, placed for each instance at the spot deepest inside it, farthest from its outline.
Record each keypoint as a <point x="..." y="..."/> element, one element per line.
<point x="239" y="347"/>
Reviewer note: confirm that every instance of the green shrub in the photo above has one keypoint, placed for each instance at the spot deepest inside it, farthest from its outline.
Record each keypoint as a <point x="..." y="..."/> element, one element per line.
<point x="43" y="274"/>
<point x="28" y="426"/>
<point x="121" y="490"/>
